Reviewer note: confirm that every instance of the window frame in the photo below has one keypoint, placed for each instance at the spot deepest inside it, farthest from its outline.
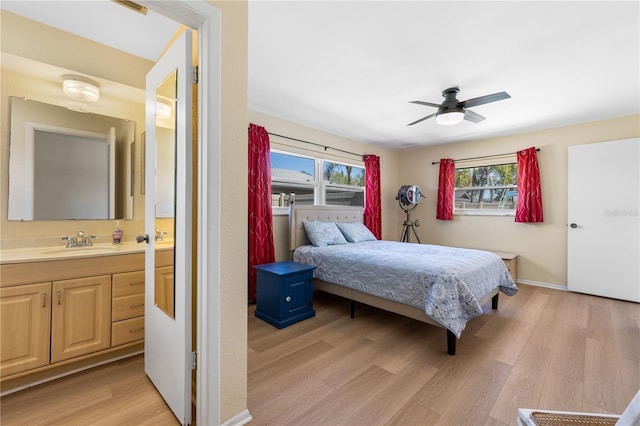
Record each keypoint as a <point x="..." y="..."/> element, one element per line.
<point x="485" y="212"/>
<point x="319" y="184"/>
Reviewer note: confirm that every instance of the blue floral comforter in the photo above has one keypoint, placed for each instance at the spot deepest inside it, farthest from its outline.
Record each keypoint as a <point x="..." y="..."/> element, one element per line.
<point x="446" y="282"/>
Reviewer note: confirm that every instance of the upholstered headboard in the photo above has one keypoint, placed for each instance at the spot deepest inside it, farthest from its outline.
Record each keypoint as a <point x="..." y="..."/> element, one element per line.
<point x="298" y="213"/>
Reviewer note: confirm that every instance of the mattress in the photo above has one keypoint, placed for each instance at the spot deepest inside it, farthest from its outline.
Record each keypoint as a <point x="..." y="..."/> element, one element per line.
<point x="446" y="282"/>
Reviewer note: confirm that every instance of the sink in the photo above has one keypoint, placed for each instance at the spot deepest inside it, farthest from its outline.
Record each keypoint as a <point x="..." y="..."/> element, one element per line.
<point x="70" y="250"/>
<point x="164" y="244"/>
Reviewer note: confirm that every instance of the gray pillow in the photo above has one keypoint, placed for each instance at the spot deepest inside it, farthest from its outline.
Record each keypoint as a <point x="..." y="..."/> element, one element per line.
<point x="355" y="232"/>
<point x="323" y="233"/>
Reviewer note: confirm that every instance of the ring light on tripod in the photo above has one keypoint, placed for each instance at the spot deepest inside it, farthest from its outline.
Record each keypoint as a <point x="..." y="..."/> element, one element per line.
<point x="408" y="197"/>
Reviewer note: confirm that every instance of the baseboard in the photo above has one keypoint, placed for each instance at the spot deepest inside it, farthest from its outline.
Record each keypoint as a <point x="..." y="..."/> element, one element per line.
<point x="242" y="418"/>
<point x="546" y="285"/>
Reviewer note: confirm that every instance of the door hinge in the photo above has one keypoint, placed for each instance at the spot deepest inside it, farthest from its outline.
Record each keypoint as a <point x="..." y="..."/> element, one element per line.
<point x="195" y="75"/>
<point x="194" y="360"/>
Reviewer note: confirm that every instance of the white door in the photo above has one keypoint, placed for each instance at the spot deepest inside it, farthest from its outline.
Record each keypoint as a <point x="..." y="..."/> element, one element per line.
<point x="604" y="232"/>
<point x="168" y="353"/>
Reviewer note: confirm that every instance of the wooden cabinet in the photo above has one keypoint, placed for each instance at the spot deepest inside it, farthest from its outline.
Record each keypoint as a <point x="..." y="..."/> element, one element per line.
<point x="25" y="324"/>
<point x="127" y="308"/>
<point x="164" y="290"/>
<point x="80" y="317"/>
<point x="63" y="312"/>
<point x="284" y="293"/>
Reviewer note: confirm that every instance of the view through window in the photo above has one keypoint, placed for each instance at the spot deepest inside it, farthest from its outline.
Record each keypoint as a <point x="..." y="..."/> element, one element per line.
<point x="308" y="180"/>
<point x="486" y="188"/>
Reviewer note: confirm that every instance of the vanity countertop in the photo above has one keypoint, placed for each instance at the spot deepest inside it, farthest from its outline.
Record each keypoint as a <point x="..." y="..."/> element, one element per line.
<point x="41" y="254"/>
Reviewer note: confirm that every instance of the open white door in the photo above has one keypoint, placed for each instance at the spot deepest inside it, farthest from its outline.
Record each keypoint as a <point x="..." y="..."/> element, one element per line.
<point x="168" y="354"/>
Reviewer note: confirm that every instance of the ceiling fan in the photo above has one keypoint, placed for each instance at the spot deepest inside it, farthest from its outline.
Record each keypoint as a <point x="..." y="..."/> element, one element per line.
<point x="453" y="111"/>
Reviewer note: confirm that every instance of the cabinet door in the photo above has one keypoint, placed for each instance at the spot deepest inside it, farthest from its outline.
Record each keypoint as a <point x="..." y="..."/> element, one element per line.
<point x="296" y="294"/>
<point x="164" y="294"/>
<point x="81" y="317"/>
<point x="25" y="313"/>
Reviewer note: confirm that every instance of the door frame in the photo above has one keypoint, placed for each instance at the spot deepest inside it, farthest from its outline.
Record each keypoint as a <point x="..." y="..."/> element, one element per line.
<point x="206" y="20"/>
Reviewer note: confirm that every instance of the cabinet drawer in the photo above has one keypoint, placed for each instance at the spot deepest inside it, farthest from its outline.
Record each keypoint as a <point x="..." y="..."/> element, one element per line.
<point x="128" y="284"/>
<point x="127" y="331"/>
<point x="126" y="307"/>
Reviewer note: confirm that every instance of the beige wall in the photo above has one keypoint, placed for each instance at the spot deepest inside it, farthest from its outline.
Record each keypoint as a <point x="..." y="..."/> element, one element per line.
<point x="233" y="207"/>
<point x="541" y="247"/>
<point x="19" y="35"/>
<point x="388" y="168"/>
<point x="29" y="39"/>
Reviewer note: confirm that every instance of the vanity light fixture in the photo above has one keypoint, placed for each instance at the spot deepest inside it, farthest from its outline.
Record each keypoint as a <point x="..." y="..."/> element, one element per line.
<point x="163" y="109"/>
<point x="449" y="117"/>
<point x="80" y="88"/>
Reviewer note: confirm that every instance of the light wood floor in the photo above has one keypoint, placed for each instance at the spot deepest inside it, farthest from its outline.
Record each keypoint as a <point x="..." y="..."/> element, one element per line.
<point x="114" y="394"/>
<point x="542" y="348"/>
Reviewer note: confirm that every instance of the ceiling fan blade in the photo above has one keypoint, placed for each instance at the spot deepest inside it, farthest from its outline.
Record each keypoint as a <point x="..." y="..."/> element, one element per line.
<point x="425" y="103"/>
<point x="484" y="99"/>
<point x="472" y="116"/>
<point x="422" y="119"/>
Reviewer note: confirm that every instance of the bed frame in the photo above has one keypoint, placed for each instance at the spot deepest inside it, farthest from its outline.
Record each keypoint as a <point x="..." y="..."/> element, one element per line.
<point x="298" y="237"/>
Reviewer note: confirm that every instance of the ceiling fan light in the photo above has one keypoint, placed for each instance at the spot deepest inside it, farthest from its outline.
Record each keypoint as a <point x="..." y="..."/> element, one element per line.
<point x="450" y="117"/>
<point x="80" y="88"/>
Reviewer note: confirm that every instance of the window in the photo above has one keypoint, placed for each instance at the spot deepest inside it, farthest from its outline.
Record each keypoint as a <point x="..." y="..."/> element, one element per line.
<point x="308" y="180"/>
<point x="292" y="176"/>
<point x="486" y="190"/>
<point x="343" y="184"/>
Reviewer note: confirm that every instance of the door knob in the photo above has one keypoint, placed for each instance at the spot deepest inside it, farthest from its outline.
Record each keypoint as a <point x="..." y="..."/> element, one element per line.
<point x="574" y="225"/>
<point x="140" y="238"/>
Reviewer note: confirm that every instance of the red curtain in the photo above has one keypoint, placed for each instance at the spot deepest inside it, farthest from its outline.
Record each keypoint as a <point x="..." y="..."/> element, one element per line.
<point x="446" y="183"/>
<point x="261" y="246"/>
<point x="529" y="194"/>
<point x="373" y="206"/>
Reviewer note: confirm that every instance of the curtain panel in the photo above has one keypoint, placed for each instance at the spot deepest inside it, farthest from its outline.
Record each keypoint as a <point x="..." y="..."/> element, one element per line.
<point x="446" y="186"/>
<point x="261" y="245"/>
<point x="373" y="204"/>
<point x="529" y="207"/>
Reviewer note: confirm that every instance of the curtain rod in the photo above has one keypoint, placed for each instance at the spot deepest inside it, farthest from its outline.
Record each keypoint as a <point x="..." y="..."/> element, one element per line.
<point x="316" y="144"/>
<point x="484" y="156"/>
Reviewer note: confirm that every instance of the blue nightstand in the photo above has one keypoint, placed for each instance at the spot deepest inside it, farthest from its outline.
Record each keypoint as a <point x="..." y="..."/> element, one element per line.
<point x="284" y="292"/>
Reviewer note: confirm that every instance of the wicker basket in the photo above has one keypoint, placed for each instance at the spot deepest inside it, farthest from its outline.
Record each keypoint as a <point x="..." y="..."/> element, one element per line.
<point x="559" y="419"/>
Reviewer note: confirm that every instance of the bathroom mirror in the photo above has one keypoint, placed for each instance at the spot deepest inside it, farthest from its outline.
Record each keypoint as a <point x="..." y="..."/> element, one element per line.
<point x="66" y="164"/>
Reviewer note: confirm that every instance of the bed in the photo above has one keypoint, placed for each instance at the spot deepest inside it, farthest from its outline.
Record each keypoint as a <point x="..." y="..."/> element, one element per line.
<point x="438" y="285"/>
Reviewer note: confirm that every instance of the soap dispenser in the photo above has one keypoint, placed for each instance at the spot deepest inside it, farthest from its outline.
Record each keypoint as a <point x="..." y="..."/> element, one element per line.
<point x="117" y="233"/>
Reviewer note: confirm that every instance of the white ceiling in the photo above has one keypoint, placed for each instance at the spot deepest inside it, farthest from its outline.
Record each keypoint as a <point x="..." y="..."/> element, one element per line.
<point x="350" y="68"/>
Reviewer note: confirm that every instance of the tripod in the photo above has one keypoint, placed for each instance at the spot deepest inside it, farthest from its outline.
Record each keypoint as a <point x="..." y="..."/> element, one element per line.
<point x="409" y="224"/>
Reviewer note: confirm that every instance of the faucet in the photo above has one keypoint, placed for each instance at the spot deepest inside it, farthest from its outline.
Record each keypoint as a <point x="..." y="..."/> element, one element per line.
<point x="159" y="234"/>
<point x="80" y="240"/>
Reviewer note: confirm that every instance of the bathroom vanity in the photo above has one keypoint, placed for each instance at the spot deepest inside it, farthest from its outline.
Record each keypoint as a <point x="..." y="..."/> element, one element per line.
<point x="63" y="310"/>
